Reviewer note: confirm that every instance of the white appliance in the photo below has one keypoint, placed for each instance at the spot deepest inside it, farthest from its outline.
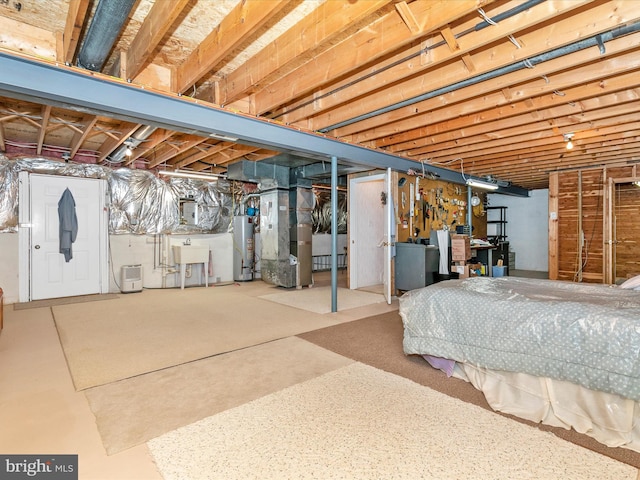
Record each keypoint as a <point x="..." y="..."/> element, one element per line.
<point x="243" y="255"/>
<point x="131" y="278"/>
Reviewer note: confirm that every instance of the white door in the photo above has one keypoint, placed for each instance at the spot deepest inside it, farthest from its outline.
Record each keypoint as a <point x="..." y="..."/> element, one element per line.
<point x="389" y="237"/>
<point x="50" y="275"/>
<point x="369" y="255"/>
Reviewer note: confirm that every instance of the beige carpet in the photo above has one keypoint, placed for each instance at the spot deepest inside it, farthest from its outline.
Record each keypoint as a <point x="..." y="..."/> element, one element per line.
<point x="377" y="341"/>
<point x="139" y="333"/>
<point x="359" y="422"/>
<point x="318" y="299"/>
<point x="135" y="410"/>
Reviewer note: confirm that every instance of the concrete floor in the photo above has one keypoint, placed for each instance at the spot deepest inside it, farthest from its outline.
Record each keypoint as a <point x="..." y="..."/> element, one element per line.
<point x="41" y="413"/>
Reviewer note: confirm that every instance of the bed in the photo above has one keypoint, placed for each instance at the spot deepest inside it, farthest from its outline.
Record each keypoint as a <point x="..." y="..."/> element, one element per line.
<point x="561" y="353"/>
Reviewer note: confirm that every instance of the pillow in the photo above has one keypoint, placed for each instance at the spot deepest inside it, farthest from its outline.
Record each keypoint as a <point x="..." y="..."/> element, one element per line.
<point x="632" y="284"/>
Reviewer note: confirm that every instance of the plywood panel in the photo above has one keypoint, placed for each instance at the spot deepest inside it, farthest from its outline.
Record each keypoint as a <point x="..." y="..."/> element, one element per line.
<point x="627" y="230"/>
<point x="581" y="220"/>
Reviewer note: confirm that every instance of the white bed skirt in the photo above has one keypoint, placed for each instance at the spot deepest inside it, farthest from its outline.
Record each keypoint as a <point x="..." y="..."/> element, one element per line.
<point x="608" y="418"/>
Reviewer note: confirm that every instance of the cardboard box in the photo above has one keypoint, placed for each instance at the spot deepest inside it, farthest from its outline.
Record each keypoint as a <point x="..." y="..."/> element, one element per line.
<point x="460" y="248"/>
<point x="461" y="270"/>
<point x="476" y="269"/>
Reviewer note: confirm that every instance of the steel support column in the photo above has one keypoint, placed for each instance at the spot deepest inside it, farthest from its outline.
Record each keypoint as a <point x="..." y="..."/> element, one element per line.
<point x="334" y="234"/>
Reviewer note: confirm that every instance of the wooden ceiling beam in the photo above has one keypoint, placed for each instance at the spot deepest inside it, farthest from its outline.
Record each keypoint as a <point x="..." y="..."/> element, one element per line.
<point x="24" y="116"/>
<point x="79" y="138"/>
<point x="404" y="75"/>
<point x="383" y="130"/>
<point x="502" y="150"/>
<point x="244" y="20"/>
<point x="408" y="18"/>
<point x="470" y="137"/>
<point x="300" y="41"/>
<point x="156" y="24"/>
<point x="151" y="142"/>
<point x="382" y="37"/>
<point x="234" y="152"/>
<point x="510" y="168"/>
<point x="537" y="41"/>
<point x="76" y="15"/>
<point x="557" y="160"/>
<point x="546" y="107"/>
<point x="110" y="144"/>
<point x="498" y="157"/>
<point x="196" y="157"/>
<point x="450" y="39"/>
<point x="46" y="112"/>
<point x="167" y="155"/>
<point x="603" y="77"/>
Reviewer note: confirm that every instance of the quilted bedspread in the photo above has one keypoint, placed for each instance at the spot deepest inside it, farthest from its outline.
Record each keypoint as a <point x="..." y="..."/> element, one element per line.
<point x="587" y="334"/>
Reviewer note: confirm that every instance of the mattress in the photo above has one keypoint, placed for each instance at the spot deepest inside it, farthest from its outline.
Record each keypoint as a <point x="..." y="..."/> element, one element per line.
<point x="586" y="334"/>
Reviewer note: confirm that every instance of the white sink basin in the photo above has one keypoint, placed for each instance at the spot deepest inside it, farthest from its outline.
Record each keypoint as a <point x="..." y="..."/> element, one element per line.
<point x="190" y="254"/>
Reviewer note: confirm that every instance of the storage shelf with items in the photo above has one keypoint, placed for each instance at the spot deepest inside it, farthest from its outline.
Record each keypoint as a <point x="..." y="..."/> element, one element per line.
<point x="497" y="224"/>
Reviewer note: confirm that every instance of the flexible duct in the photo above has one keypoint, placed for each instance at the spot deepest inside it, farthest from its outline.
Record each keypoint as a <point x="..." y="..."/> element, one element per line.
<point x="105" y="27"/>
<point x="134" y="140"/>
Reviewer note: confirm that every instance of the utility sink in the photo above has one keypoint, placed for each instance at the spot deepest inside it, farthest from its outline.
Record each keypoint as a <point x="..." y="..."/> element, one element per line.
<point x="190" y="254"/>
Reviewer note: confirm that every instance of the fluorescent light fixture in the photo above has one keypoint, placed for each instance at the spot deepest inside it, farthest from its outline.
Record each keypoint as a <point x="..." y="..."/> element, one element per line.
<point x="482" y="184"/>
<point x="198" y="175"/>
<point x="220" y="136"/>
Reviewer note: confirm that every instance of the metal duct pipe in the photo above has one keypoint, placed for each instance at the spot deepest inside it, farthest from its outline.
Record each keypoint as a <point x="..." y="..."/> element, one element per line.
<point x="135" y="139"/>
<point x="104" y="29"/>
<point x="595" y="41"/>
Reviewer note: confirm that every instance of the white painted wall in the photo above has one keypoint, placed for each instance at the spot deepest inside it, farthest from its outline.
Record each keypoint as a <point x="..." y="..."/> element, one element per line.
<point x="9" y="266"/>
<point x="133" y="250"/>
<point x="527" y="228"/>
<point x="139" y="249"/>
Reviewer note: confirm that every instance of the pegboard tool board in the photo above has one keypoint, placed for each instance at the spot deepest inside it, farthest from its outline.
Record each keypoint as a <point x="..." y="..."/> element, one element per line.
<point x="425" y="204"/>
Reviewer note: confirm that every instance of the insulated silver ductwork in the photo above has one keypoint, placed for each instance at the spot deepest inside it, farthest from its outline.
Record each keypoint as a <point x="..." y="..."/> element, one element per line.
<point x="133" y="141"/>
<point x="105" y="27"/>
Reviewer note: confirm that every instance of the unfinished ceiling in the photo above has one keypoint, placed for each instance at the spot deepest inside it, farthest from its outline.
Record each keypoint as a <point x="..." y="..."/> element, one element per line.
<point x="489" y="88"/>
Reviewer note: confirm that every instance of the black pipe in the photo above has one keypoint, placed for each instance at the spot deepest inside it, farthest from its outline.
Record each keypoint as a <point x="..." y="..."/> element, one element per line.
<point x="596" y="40"/>
<point x="501" y="16"/>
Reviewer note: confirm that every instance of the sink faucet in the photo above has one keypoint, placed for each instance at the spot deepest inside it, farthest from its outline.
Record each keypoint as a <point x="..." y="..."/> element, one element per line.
<point x="187" y="242"/>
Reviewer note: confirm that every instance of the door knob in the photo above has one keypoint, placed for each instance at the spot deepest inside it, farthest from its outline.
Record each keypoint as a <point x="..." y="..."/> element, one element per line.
<point x="37" y="247"/>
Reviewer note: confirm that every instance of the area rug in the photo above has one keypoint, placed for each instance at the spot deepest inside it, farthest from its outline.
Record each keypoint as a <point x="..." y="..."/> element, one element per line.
<point x="318" y="299"/>
<point x="377" y="341"/>
<point x="135" y="410"/>
<point x="359" y="422"/>
<point x="109" y="341"/>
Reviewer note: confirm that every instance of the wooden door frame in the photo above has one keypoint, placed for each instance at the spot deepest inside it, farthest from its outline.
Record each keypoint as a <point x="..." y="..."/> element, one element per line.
<point x="608" y="263"/>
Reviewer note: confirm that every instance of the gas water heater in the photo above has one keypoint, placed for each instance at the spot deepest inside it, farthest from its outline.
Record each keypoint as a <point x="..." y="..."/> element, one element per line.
<point x="243" y="249"/>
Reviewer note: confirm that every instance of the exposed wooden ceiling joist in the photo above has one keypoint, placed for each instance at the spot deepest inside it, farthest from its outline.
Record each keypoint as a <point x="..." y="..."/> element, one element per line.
<point x="430" y="80"/>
